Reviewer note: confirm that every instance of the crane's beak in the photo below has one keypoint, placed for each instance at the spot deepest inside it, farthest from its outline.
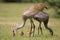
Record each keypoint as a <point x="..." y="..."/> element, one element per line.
<point x="14" y="32"/>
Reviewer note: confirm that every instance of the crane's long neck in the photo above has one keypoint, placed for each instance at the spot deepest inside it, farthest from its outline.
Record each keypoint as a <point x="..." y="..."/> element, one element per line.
<point x="20" y="26"/>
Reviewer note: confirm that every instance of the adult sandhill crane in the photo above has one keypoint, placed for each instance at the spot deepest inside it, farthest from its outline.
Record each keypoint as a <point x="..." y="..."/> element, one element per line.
<point x="29" y="14"/>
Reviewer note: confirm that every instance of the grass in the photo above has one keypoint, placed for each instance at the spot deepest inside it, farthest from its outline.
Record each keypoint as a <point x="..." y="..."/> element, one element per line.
<point x="10" y="16"/>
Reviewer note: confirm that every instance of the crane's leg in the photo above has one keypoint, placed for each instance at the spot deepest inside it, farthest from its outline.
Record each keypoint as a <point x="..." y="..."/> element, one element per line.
<point x="32" y="27"/>
<point x="30" y="32"/>
<point x="46" y="26"/>
<point x="40" y="28"/>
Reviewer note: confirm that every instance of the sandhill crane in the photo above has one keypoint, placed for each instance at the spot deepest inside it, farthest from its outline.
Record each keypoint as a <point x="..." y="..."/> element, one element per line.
<point x="30" y="13"/>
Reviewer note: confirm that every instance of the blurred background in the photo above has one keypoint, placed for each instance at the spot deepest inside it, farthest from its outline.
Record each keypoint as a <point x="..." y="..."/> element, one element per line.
<point x="55" y="4"/>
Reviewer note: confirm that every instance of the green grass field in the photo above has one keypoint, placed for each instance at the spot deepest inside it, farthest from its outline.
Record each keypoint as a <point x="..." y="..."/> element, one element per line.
<point x="10" y="16"/>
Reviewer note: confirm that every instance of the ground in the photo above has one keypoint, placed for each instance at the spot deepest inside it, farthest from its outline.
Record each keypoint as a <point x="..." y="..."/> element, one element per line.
<point x="11" y="15"/>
